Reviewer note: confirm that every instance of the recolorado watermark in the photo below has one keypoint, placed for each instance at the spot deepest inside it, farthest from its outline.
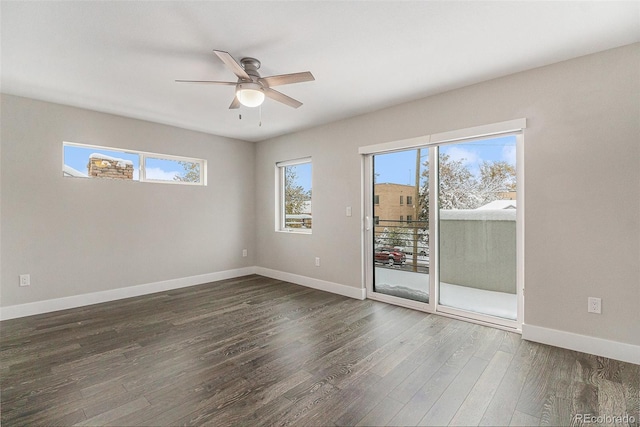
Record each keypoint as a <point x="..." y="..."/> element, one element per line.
<point x="604" y="419"/>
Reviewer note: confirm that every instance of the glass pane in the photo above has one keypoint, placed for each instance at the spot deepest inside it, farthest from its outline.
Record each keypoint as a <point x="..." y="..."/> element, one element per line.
<point x="158" y="169"/>
<point x="401" y="227"/>
<point x="90" y="162"/>
<point x="477" y="227"/>
<point x="297" y="196"/>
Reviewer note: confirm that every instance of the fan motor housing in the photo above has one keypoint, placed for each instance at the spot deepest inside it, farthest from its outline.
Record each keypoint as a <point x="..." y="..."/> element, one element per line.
<point x="248" y="86"/>
<point x="251" y="66"/>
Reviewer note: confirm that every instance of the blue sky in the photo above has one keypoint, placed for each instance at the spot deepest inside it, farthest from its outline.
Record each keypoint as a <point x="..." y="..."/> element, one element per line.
<point x="304" y="172"/>
<point x="399" y="168"/>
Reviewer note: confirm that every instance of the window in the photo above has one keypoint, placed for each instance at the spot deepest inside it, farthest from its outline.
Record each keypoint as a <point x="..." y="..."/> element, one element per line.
<point x="409" y="218"/>
<point x="402" y="200"/>
<point x="401" y="218"/>
<point x="409" y="200"/>
<point x="294" y="196"/>
<point x="376" y="220"/>
<point x="376" y="199"/>
<point x="91" y="161"/>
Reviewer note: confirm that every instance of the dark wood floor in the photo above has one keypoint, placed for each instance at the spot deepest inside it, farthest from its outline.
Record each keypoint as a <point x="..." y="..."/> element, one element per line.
<point x="257" y="351"/>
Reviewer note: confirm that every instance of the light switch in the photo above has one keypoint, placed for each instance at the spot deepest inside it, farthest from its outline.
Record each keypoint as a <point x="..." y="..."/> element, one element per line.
<point x="348" y="210"/>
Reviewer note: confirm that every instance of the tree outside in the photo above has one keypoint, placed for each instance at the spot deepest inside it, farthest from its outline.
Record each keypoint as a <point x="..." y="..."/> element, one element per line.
<point x="191" y="172"/>
<point x="295" y="195"/>
<point x="461" y="189"/>
<point x="395" y="237"/>
<point x="295" y="199"/>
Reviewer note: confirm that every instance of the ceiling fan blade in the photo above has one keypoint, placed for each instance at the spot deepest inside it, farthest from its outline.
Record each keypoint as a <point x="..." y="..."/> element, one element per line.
<point x="286" y="79"/>
<point x="211" y="82"/>
<point x="281" y="97"/>
<point x="235" y="104"/>
<point x="232" y="64"/>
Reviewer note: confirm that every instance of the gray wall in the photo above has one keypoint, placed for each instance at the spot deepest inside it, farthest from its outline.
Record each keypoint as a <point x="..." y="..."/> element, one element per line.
<point x="477" y="252"/>
<point x="582" y="186"/>
<point x="76" y="236"/>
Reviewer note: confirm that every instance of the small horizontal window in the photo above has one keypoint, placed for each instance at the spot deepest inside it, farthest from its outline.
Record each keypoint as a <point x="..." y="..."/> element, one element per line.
<point x="89" y="161"/>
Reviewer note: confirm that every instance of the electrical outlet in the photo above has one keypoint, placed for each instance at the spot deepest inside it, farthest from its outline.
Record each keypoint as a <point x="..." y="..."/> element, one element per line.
<point x="317" y="261"/>
<point x="595" y="305"/>
<point x="25" y="280"/>
<point x="244" y="252"/>
<point x="349" y="213"/>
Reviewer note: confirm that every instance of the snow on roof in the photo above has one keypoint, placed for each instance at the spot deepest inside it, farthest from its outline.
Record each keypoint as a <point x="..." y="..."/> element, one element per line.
<point x="500" y="204"/>
<point x="113" y="159"/>
<point x="68" y="170"/>
<point x="478" y="214"/>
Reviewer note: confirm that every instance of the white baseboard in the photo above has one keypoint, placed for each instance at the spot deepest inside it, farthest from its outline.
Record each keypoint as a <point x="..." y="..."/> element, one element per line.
<point x="39" y="307"/>
<point x="323" y="285"/>
<point x="583" y="343"/>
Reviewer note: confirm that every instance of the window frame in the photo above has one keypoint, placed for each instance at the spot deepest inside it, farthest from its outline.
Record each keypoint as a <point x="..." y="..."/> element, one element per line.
<point x="280" y="218"/>
<point x="142" y="157"/>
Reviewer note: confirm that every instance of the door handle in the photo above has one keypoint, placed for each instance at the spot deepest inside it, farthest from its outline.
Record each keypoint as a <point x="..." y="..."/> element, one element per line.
<point x="367" y="223"/>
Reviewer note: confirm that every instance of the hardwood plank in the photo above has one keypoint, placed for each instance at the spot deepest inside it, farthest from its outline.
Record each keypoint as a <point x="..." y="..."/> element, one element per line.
<point x="611" y="400"/>
<point x="302" y="406"/>
<point x="474" y="406"/>
<point x="455" y="349"/>
<point x="382" y="413"/>
<point x="343" y="398"/>
<point x="490" y="345"/>
<point x="535" y="388"/>
<point x="442" y="372"/>
<point x="107" y="417"/>
<point x="259" y="351"/>
<point x="503" y="404"/>
<point x="510" y="342"/>
<point x="449" y="402"/>
<point x="369" y="399"/>
<point x="524" y="420"/>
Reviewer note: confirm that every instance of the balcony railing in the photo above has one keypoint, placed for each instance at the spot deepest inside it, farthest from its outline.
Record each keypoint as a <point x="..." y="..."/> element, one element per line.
<point x="477" y="247"/>
<point x="409" y="236"/>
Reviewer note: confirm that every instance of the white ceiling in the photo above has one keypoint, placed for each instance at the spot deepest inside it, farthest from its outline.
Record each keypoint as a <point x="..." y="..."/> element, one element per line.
<point x="123" y="57"/>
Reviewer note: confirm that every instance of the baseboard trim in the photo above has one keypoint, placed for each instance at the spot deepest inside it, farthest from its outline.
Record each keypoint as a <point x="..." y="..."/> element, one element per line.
<point x="600" y="347"/>
<point x="57" y="304"/>
<point x="323" y="285"/>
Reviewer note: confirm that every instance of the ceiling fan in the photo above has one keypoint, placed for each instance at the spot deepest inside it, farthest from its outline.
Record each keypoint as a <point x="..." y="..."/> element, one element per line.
<point x="251" y="89"/>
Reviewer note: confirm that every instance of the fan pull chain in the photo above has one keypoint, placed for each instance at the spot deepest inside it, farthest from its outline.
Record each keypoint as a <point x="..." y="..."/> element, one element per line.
<point x="260" y="122"/>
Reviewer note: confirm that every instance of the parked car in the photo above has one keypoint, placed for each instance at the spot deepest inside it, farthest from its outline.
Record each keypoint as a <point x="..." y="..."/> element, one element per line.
<point x="408" y="250"/>
<point x="390" y="256"/>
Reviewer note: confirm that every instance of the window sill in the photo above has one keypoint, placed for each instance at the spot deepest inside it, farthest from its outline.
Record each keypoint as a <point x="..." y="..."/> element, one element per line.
<point x="294" y="231"/>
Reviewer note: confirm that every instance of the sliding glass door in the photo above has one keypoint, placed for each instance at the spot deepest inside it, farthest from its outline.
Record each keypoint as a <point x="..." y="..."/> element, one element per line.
<point x="460" y="258"/>
<point x="400" y="232"/>
<point x="477" y="227"/>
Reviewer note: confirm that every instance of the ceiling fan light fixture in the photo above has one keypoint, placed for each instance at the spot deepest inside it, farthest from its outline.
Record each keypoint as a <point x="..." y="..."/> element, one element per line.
<point x="250" y="94"/>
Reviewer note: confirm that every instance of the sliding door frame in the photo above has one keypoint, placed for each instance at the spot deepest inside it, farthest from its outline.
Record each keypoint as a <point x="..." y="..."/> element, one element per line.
<point x="368" y="243"/>
<point x="432" y="143"/>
